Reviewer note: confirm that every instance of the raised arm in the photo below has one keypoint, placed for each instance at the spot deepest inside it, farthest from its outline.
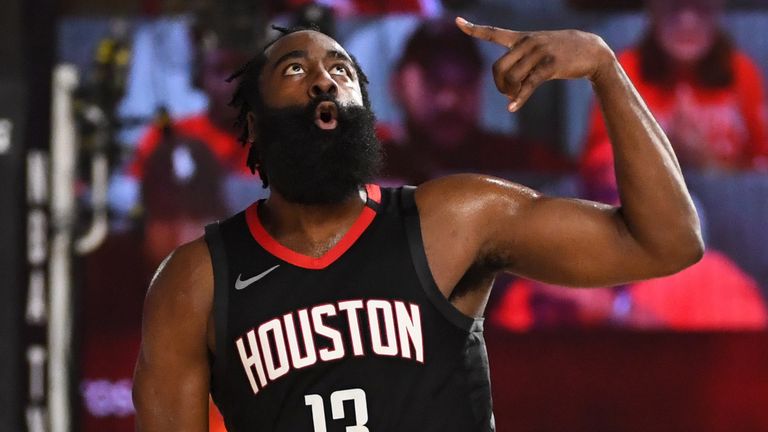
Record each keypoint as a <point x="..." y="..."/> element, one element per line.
<point x="566" y="241"/>
<point x="171" y="380"/>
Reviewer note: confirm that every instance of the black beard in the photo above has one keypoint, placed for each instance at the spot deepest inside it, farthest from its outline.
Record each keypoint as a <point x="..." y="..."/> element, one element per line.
<point x="309" y="165"/>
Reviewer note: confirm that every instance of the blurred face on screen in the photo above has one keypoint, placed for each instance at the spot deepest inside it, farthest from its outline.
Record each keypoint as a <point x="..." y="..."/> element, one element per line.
<point x="685" y="29"/>
<point x="441" y="102"/>
<point x="161" y="236"/>
<point x="215" y="67"/>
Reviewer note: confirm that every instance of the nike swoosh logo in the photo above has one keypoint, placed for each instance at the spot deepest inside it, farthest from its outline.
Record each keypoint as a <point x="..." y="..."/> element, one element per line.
<point x="240" y="284"/>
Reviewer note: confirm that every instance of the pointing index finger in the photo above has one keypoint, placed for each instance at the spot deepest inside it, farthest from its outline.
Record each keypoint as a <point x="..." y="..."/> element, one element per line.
<point x="505" y="38"/>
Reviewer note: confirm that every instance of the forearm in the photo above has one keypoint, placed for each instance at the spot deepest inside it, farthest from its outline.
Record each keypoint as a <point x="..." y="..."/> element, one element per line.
<point x="656" y="207"/>
<point x="163" y="407"/>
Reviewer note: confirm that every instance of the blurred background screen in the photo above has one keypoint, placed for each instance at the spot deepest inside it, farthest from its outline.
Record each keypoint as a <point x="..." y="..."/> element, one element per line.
<point x="136" y="97"/>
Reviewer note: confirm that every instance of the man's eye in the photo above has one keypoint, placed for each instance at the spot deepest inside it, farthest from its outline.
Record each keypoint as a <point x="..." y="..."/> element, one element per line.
<point x="294" y="69"/>
<point x="339" y="70"/>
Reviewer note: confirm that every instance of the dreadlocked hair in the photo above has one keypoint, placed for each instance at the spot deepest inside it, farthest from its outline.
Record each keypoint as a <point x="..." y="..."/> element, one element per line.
<point x="247" y="95"/>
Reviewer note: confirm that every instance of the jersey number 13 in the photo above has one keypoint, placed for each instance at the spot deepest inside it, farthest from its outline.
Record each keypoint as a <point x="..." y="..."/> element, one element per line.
<point x="356" y="395"/>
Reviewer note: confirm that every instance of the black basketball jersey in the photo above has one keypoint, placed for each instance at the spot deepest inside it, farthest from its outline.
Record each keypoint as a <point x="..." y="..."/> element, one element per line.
<point x="360" y="339"/>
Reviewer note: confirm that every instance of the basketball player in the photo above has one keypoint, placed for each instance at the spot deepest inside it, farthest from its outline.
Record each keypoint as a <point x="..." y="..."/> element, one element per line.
<point x="336" y="305"/>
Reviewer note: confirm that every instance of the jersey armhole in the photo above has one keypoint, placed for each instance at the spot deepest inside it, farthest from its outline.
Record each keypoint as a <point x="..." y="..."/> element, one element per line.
<point x="215" y="243"/>
<point x="420" y="263"/>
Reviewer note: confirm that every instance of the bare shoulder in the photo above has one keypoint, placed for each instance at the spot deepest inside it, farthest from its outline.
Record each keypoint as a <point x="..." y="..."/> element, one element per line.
<point x="171" y="379"/>
<point x="460" y="217"/>
<point x="472" y="197"/>
<point x="183" y="284"/>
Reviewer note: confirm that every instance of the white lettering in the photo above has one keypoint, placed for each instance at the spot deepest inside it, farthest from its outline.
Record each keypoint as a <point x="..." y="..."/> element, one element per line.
<point x="287" y="343"/>
<point x="37" y="235"/>
<point x="36" y="306"/>
<point x="351" y="307"/>
<point x="37" y="419"/>
<point x="6" y="131"/>
<point x="274" y="370"/>
<point x="37" y="178"/>
<point x="253" y="360"/>
<point x="36" y="355"/>
<point x="379" y="347"/>
<point x="357" y="396"/>
<point x="293" y="344"/>
<point x="409" y="329"/>
<point x="315" y="402"/>
<point x="337" y="347"/>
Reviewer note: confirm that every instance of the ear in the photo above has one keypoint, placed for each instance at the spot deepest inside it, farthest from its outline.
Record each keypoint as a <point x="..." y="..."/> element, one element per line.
<point x="251" y="119"/>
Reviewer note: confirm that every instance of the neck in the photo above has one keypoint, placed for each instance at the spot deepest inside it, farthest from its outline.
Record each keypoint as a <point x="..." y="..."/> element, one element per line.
<point x="684" y="69"/>
<point x="310" y="229"/>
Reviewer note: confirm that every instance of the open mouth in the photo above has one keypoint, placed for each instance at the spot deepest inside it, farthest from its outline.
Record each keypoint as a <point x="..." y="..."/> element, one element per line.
<point x="326" y="115"/>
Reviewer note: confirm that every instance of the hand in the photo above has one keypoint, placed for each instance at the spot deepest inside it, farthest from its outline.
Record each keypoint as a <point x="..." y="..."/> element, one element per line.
<point x="536" y="57"/>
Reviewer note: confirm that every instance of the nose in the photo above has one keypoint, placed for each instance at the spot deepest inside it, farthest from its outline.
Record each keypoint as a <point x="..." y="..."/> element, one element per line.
<point x="323" y="84"/>
<point x="446" y="99"/>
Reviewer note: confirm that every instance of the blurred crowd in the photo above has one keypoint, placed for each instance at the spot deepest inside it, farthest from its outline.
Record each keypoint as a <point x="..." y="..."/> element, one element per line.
<point x="181" y="165"/>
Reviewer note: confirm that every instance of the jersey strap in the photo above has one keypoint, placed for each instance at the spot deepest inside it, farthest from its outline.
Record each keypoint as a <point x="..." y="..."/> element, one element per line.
<point x="220" y="298"/>
<point x="416" y="244"/>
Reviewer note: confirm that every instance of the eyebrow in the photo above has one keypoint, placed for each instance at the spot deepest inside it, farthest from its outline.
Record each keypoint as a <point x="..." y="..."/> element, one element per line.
<point x="289" y="55"/>
<point x="334" y="54"/>
<point x="295" y="54"/>
<point x="338" y="55"/>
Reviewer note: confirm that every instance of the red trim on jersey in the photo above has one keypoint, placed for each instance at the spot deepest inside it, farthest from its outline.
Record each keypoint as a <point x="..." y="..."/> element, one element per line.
<point x="374" y="193"/>
<point x="300" y="260"/>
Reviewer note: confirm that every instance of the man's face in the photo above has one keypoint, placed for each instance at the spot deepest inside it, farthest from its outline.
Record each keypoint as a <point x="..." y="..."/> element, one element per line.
<point x="303" y="64"/>
<point x="314" y="136"/>
<point x="441" y="103"/>
<point x="685" y="29"/>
